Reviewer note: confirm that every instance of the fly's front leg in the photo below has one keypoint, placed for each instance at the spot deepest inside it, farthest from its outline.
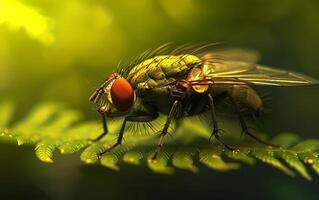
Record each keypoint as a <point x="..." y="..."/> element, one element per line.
<point x="139" y="117"/>
<point x="104" y="125"/>
<point x="215" y="124"/>
<point x="169" y="119"/>
<point x="244" y="126"/>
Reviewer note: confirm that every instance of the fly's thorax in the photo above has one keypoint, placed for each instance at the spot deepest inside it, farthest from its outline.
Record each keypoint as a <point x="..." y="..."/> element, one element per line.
<point x="160" y="70"/>
<point x="158" y="98"/>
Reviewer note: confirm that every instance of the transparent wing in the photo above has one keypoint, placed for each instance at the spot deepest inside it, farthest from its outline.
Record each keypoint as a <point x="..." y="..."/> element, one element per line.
<point x="256" y="74"/>
<point x="242" y="55"/>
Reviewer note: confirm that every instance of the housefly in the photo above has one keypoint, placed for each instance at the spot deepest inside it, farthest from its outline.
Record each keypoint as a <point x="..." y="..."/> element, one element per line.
<point x="187" y="81"/>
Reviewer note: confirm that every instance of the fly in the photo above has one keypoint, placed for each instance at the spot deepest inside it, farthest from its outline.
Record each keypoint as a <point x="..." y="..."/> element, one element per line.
<point x="187" y="81"/>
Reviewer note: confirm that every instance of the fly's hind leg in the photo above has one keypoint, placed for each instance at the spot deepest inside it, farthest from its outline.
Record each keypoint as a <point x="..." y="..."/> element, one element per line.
<point x="138" y="117"/>
<point x="245" y="129"/>
<point x="215" y="124"/>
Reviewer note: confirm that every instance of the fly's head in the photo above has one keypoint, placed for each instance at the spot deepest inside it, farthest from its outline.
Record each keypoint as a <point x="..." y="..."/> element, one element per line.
<point x="115" y="96"/>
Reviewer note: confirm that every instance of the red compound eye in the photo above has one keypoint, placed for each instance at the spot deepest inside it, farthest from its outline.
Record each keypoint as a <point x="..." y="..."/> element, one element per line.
<point x="122" y="94"/>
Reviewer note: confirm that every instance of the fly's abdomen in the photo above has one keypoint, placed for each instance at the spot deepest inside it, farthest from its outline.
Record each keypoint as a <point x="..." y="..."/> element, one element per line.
<point x="242" y="94"/>
<point x="247" y="96"/>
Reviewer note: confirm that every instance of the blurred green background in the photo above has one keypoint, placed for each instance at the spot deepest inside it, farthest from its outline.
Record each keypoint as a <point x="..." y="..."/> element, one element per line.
<point x="61" y="50"/>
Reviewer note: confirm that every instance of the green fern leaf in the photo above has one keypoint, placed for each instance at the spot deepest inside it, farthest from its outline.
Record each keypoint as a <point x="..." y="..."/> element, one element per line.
<point x="6" y="113"/>
<point x="241" y="156"/>
<point x="72" y="146"/>
<point x="307" y="146"/>
<point x="183" y="159"/>
<point x="268" y="157"/>
<point x="44" y="150"/>
<point x="112" y="159"/>
<point x="160" y="165"/>
<point x="50" y="127"/>
<point x="212" y="158"/>
<point x="133" y="157"/>
<point x="292" y="159"/>
<point x="90" y="154"/>
<point x="310" y="159"/>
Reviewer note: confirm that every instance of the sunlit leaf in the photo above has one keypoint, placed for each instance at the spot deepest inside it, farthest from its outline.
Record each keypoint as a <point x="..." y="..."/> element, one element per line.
<point x="241" y="156"/>
<point x="50" y="127"/>
<point x="19" y="15"/>
<point x="6" y="114"/>
<point x="183" y="159"/>
<point x="133" y="157"/>
<point x="292" y="159"/>
<point x="268" y="157"/>
<point x="160" y="165"/>
<point x="212" y="158"/>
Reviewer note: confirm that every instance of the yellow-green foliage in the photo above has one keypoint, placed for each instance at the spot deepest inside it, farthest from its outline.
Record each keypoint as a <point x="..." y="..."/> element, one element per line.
<point x="50" y="127"/>
<point x="18" y="15"/>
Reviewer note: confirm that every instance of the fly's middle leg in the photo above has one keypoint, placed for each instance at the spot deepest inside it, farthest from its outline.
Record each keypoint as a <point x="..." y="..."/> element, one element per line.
<point x="169" y="119"/>
<point x="215" y="124"/>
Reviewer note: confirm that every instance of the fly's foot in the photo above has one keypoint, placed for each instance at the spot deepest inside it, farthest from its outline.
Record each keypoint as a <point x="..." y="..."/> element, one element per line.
<point x="229" y="148"/>
<point x="235" y="151"/>
<point x="221" y="142"/>
<point x="154" y="157"/>
<point x="100" y="154"/>
<point x="247" y="132"/>
<point x="273" y="145"/>
<point x="91" y="141"/>
<point x="96" y="139"/>
<point x="215" y="132"/>
<point x="107" y="150"/>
